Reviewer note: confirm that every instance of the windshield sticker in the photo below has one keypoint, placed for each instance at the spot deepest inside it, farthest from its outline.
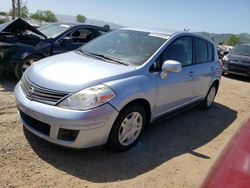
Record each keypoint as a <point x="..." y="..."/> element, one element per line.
<point x="63" y="25"/>
<point x="159" y="35"/>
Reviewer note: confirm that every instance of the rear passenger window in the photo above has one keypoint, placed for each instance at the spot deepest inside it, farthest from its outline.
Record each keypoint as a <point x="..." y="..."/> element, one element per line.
<point x="210" y="52"/>
<point x="180" y="50"/>
<point x="81" y="35"/>
<point x="201" y="55"/>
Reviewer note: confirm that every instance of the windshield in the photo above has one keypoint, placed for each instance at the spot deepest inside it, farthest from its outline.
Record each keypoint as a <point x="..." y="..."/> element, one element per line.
<point x="53" y="30"/>
<point x="2" y="26"/>
<point x="241" y="50"/>
<point x="132" y="47"/>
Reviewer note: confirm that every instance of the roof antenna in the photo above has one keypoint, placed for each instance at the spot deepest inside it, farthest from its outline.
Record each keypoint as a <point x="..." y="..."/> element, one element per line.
<point x="186" y="29"/>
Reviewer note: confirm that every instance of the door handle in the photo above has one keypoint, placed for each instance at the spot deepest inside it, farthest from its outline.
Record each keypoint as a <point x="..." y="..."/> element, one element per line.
<point x="212" y="68"/>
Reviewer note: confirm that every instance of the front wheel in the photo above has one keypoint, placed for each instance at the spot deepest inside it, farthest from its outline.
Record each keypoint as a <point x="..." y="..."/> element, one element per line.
<point x="127" y="128"/>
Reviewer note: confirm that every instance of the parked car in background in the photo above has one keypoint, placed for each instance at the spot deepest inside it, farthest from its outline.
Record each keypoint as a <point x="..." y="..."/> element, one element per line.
<point x="109" y="89"/>
<point x="237" y="61"/>
<point x="222" y="51"/>
<point x="232" y="169"/>
<point x="22" y="44"/>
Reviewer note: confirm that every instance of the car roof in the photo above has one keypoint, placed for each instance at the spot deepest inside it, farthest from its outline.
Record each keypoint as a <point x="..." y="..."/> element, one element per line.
<point x="167" y="32"/>
<point x="152" y="30"/>
<point x="73" y="24"/>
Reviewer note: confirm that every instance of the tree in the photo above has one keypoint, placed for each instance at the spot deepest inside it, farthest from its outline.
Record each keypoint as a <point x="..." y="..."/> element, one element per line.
<point x="107" y="26"/>
<point x="46" y="16"/>
<point x="22" y="9"/>
<point x="3" y="14"/>
<point x="234" y="39"/>
<point x="221" y="43"/>
<point x="80" y="18"/>
<point x="2" y="21"/>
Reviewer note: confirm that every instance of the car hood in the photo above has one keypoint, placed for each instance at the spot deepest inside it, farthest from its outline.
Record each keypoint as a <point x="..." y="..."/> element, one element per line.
<point x="238" y="58"/>
<point x="71" y="72"/>
<point x="18" y="26"/>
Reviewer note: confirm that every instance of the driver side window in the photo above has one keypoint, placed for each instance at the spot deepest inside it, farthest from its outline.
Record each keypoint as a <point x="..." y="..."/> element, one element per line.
<point x="180" y="50"/>
<point x="81" y="35"/>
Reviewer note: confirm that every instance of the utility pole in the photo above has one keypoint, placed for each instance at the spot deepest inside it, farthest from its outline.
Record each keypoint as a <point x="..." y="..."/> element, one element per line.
<point x="18" y="8"/>
<point x="13" y="9"/>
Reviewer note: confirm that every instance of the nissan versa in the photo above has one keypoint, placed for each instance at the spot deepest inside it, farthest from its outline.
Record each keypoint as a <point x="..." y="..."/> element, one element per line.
<point x="108" y="90"/>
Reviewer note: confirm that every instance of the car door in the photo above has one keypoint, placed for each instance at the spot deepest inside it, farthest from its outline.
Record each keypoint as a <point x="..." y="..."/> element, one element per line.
<point x="177" y="88"/>
<point x="205" y="66"/>
<point x="73" y="40"/>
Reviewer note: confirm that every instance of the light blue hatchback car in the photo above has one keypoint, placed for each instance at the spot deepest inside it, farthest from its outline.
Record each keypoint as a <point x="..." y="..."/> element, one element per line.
<point x="108" y="90"/>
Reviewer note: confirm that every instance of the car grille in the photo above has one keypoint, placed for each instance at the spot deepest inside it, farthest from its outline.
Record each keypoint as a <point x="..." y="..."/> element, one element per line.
<point x="35" y="124"/>
<point x="40" y="94"/>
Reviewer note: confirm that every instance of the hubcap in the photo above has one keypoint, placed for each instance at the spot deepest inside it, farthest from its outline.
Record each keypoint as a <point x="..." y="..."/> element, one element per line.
<point x="27" y="64"/>
<point x="211" y="96"/>
<point x="130" y="128"/>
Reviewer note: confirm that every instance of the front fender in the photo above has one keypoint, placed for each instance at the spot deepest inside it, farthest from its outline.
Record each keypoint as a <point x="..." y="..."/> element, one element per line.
<point x="132" y="88"/>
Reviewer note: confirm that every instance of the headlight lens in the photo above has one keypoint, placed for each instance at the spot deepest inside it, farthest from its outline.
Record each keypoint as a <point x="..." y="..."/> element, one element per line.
<point x="88" y="98"/>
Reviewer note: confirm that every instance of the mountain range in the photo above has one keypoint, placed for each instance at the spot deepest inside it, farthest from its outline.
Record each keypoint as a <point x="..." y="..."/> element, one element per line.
<point x="217" y="38"/>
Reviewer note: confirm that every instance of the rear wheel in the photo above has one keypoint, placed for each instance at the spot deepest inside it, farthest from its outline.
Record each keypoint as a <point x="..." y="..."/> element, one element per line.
<point x="209" y="100"/>
<point x="21" y="66"/>
<point x="127" y="128"/>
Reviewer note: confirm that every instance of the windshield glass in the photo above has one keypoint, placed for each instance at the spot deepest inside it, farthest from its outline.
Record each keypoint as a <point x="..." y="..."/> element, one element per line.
<point x="132" y="47"/>
<point x="53" y="30"/>
<point x="241" y="50"/>
<point x="2" y="26"/>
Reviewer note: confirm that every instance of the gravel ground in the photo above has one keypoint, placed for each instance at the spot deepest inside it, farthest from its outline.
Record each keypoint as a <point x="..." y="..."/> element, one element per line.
<point x="176" y="152"/>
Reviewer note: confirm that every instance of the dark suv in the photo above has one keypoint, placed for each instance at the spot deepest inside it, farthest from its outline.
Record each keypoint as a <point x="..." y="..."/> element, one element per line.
<point x="238" y="60"/>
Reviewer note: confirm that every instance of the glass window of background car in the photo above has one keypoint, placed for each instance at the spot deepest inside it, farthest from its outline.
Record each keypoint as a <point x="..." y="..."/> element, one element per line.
<point x="180" y="50"/>
<point x="241" y="50"/>
<point x="81" y="35"/>
<point x="134" y="47"/>
<point x="201" y="55"/>
<point x="53" y="30"/>
<point x="101" y="32"/>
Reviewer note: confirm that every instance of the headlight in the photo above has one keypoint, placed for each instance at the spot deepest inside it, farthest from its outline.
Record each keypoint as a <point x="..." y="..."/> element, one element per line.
<point x="88" y="98"/>
<point x="225" y="58"/>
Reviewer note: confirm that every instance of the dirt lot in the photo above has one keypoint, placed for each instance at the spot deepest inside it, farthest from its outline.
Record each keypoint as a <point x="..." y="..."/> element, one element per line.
<point x="176" y="152"/>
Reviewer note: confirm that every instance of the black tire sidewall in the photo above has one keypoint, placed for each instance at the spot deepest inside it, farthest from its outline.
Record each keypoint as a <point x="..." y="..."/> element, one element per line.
<point x="19" y="65"/>
<point x="113" y="141"/>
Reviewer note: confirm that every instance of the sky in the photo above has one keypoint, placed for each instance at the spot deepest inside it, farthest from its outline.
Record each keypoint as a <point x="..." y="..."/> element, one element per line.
<point x="217" y="16"/>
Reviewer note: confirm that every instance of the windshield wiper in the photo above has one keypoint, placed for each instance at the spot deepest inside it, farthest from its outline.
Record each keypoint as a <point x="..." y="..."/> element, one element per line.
<point x="103" y="57"/>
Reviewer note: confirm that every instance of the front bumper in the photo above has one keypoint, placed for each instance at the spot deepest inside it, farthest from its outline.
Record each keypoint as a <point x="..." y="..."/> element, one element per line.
<point x="92" y="126"/>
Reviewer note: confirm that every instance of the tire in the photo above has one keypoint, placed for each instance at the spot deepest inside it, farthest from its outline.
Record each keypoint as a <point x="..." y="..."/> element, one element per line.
<point x="209" y="99"/>
<point x="127" y="128"/>
<point x="21" y="66"/>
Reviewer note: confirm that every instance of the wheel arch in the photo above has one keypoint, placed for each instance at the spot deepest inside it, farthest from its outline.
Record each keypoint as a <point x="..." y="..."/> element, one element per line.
<point x="217" y="83"/>
<point x="143" y="102"/>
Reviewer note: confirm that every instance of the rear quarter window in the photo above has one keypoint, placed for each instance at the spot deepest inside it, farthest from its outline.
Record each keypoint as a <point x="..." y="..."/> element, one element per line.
<point x="210" y="52"/>
<point x="201" y="50"/>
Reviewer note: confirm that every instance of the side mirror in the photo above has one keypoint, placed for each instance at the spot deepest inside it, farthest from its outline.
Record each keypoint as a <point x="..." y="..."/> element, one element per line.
<point x="66" y="40"/>
<point x="170" y="66"/>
